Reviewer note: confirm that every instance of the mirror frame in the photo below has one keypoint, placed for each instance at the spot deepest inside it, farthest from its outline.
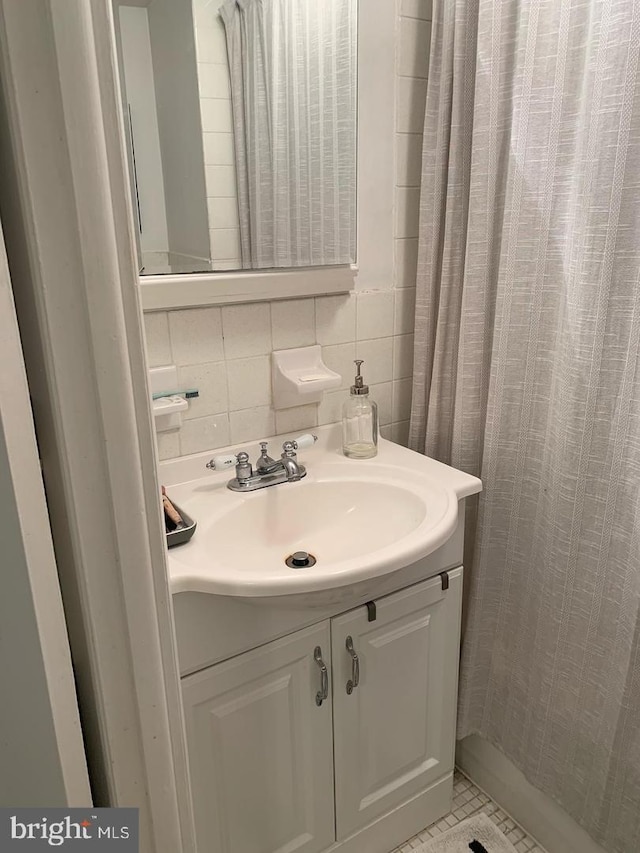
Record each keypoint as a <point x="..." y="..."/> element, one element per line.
<point x="375" y="199"/>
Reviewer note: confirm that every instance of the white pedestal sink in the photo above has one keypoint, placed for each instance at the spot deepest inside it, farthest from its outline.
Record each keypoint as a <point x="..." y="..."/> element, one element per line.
<point x="360" y="519"/>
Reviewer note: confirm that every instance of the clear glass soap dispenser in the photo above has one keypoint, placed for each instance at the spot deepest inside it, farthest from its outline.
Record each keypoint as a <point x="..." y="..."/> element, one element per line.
<point x="359" y="421"/>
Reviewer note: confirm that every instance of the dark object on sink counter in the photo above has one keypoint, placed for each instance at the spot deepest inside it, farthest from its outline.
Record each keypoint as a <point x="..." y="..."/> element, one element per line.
<point x="178" y="531"/>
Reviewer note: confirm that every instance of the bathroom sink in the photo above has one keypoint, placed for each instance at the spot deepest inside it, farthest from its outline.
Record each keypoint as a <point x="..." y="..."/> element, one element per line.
<point x="334" y="520"/>
<point x="358" y="519"/>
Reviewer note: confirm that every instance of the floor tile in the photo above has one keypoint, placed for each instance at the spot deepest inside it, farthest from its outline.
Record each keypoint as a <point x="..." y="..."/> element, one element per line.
<point x="469" y="800"/>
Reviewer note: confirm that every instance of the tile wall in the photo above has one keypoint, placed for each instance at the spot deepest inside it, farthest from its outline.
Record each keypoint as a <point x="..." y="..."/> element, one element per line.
<point x="225" y="352"/>
<point x="219" y="156"/>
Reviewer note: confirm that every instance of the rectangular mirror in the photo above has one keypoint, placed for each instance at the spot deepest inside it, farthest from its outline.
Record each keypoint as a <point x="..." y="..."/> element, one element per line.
<point x="241" y="130"/>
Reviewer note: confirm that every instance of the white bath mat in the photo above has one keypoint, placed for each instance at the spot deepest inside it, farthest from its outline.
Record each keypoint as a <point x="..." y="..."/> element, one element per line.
<point x="477" y="834"/>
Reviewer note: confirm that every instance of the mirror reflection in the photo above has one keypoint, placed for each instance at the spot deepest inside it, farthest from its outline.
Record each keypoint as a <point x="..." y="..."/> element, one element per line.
<point x="241" y="128"/>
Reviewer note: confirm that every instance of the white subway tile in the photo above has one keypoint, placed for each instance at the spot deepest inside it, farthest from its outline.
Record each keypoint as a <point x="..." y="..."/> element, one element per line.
<point x="216" y="115"/>
<point x="417" y="9"/>
<point x="218" y="149"/>
<point x="409" y="159"/>
<point x="402" y="356"/>
<point x="375" y="314"/>
<point x="293" y="323"/>
<point x="335" y="319"/>
<point x="247" y="331"/>
<point x="340" y="358"/>
<point x="220" y="181"/>
<point x="213" y="80"/>
<point x="296" y="419"/>
<point x="400" y="433"/>
<point x="158" y="343"/>
<point x="378" y="360"/>
<point x="386" y="431"/>
<point x="225" y="243"/>
<point x="406" y="262"/>
<point x="210" y="379"/>
<point x="168" y="444"/>
<point x="196" y="335"/>
<point x="412" y="95"/>
<point x="204" y="434"/>
<point x="383" y="395"/>
<point x="252" y="424"/>
<point x="223" y="213"/>
<point x="405" y="311"/>
<point x="401" y="399"/>
<point x="211" y="44"/>
<point x="249" y="382"/>
<point x="407" y="211"/>
<point x="330" y="408"/>
<point x="415" y="44"/>
<point x="205" y="14"/>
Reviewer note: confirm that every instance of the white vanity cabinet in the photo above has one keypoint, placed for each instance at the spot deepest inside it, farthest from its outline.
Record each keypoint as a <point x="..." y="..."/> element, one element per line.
<point x="394" y="732"/>
<point x="260" y="749"/>
<point x="273" y="770"/>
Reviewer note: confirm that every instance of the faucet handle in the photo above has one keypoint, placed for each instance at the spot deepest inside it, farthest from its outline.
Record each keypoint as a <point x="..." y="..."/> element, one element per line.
<point x="306" y="440"/>
<point x="218" y="463"/>
<point x="228" y="460"/>
<point x="301" y="442"/>
<point x="289" y="448"/>
<point x="243" y="468"/>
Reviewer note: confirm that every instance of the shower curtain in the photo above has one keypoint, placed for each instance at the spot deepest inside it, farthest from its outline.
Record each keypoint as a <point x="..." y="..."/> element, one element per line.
<point x="527" y="374"/>
<point x="293" y="92"/>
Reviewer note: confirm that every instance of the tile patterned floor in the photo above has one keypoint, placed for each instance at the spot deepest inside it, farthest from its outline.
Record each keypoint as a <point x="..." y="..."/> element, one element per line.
<point x="469" y="800"/>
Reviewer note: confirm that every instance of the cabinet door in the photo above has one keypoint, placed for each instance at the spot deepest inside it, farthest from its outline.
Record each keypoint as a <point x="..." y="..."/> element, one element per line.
<point x="260" y="749"/>
<point x="395" y="732"/>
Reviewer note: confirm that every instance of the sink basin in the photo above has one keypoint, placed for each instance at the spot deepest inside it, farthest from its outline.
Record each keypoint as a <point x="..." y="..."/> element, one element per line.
<point x="359" y="518"/>
<point x="334" y="520"/>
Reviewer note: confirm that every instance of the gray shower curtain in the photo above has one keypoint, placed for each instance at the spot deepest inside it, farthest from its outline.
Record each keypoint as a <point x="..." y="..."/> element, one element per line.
<point x="527" y="373"/>
<point x="293" y="68"/>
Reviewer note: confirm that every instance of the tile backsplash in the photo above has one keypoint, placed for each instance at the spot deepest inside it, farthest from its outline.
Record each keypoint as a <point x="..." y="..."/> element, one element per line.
<point x="226" y="352"/>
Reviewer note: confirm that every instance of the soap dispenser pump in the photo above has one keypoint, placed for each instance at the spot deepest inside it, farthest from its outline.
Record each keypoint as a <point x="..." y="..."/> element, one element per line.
<point x="359" y="420"/>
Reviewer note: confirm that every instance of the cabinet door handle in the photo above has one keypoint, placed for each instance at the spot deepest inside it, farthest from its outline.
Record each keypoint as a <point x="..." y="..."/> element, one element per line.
<point x="353" y="682"/>
<point x="322" y="694"/>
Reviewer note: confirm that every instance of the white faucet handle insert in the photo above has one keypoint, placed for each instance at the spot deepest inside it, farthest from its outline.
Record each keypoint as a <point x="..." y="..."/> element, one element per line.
<point x="218" y="463"/>
<point x="306" y="440"/>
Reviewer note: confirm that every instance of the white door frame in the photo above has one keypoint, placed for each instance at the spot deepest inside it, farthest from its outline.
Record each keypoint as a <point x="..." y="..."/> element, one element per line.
<point x="64" y="201"/>
<point x="42" y="757"/>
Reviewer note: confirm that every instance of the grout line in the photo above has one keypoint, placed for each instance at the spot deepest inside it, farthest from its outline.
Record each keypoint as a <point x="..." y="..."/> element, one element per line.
<point x="448" y="821"/>
<point x="509" y="815"/>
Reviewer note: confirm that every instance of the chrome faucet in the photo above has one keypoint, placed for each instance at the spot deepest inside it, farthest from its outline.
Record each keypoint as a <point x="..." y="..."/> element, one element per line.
<point x="289" y="462"/>
<point x="265" y="464"/>
<point x="268" y="471"/>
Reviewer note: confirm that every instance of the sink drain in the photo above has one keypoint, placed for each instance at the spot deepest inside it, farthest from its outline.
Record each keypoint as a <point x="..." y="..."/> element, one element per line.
<point x="300" y="560"/>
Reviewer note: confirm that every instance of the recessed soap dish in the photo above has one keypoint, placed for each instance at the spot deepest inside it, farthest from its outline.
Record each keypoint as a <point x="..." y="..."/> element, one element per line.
<point x="299" y="376"/>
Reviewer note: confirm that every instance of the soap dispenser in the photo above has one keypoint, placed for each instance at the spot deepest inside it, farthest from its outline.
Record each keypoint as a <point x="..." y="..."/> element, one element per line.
<point x="359" y="420"/>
